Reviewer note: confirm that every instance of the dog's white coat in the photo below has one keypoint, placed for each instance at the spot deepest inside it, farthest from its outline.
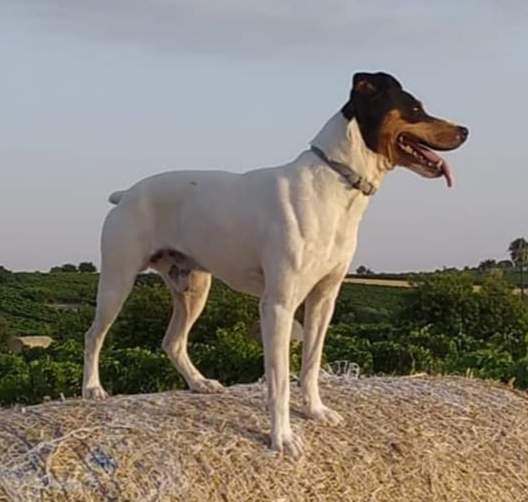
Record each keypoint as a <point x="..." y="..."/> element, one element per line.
<point x="286" y="234"/>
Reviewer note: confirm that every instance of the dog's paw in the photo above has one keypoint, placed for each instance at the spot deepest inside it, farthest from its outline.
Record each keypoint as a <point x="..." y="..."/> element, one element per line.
<point x="324" y="415"/>
<point x="206" y="386"/>
<point x="94" y="393"/>
<point x="290" y="444"/>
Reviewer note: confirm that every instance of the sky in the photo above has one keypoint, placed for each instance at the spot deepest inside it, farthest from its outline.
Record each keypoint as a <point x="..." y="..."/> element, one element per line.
<point x="95" y="95"/>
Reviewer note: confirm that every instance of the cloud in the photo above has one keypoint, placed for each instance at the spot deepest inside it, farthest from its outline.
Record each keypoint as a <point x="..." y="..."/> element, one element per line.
<point x="274" y="28"/>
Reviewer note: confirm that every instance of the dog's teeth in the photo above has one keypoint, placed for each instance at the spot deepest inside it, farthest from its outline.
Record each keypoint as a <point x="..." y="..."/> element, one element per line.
<point x="439" y="163"/>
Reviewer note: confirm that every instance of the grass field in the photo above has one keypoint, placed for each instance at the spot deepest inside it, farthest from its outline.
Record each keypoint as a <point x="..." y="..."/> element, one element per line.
<point x="510" y="275"/>
<point x="444" y="325"/>
<point x="35" y="303"/>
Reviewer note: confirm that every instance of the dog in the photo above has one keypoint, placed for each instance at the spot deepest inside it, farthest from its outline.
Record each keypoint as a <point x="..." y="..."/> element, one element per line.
<point x="286" y="234"/>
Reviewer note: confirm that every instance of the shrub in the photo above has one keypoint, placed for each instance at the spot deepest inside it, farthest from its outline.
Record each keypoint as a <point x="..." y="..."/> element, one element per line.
<point x="68" y="267"/>
<point x="15" y="382"/>
<point x="5" y="334"/>
<point x="52" y="378"/>
<point x="460" y="329"/>
<point x="72" y="324"/>
<point x="446" y="301"/>
<point x="87" y="267"/>
<point x="144" y="319"/>
<point x="138" y="370"/>
<point x="344" y="344"/>
<point x="231" y="357"/>
<point x="224" y="310"/>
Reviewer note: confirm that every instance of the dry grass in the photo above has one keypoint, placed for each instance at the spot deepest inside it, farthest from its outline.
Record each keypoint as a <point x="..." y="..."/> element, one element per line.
<point x="405" y="439"/>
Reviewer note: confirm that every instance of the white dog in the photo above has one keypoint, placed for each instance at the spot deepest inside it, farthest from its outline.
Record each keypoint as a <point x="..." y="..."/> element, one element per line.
<point x="286" y="234"/>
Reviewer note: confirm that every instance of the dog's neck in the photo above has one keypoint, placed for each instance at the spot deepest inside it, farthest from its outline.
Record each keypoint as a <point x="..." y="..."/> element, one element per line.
<point x="341" y="140"/>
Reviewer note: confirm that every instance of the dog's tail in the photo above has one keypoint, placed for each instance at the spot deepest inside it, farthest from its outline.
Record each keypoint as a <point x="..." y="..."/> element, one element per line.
<point x="116" y="197"/>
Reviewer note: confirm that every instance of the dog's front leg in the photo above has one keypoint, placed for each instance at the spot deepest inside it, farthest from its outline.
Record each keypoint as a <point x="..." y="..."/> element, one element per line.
<point x="276" y="323"/>
<point x="319" y="307"/>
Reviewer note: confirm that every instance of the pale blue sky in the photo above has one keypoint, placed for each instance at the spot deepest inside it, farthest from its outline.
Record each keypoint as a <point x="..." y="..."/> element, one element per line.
<point x="97" y="94"/>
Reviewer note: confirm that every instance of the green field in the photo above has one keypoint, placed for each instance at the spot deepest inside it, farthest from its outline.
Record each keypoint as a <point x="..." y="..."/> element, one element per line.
<point x="39" y="303"/>
<point x="510" y="275"/>
<point x="443" y="325"/>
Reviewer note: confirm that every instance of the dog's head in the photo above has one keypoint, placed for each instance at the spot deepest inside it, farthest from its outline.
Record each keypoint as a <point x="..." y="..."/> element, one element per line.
<point x="394" y="124"/>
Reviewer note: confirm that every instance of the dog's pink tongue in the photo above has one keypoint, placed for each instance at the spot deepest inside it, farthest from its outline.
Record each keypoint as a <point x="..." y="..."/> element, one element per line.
<point x="446" y="171"/>
<point x="439" y="161"/>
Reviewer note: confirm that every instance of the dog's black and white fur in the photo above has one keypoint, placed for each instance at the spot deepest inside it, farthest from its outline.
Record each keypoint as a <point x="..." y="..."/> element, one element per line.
<point x="286" y="234"/>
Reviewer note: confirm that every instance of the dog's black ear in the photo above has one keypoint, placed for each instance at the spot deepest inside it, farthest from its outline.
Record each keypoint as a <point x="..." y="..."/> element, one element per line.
<point x="367" y="88"/>
<point x="371" y="84"/>
<point x="364" y="84"/>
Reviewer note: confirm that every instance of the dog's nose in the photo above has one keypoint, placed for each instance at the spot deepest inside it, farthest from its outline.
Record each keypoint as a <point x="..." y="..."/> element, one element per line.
<point x="463" y="133"/>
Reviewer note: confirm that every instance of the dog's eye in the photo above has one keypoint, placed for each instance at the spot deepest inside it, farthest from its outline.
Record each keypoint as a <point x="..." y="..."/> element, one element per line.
<point x="417" y="109"/>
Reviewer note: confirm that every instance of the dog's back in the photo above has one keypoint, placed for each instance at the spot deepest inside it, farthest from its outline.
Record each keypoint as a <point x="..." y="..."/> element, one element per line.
<point x="218" y="218"/>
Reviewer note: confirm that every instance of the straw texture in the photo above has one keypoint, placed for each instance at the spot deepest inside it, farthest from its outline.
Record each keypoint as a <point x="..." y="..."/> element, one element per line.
<point x="404" y="439"/>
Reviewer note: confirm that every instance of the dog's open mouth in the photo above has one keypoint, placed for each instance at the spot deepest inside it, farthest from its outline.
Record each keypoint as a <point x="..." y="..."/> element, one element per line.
<point x="422" y="159"/>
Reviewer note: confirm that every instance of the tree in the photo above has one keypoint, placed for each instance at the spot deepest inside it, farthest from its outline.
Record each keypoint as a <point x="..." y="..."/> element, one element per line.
<point x="445" y="301"/>
<point x="519" y="255"/>
<point x="485" y="265"/>
<point x="87" y="267"/>
<point x="519" y="251"/>
<point x="68" y="267"/>
<point x="362" y="270"/>
<point x="4" y="274"/>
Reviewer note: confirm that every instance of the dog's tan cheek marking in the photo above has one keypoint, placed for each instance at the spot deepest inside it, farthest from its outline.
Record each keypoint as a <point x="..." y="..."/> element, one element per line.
<point x="422" y="130"/>
<point x="390" y="128"/>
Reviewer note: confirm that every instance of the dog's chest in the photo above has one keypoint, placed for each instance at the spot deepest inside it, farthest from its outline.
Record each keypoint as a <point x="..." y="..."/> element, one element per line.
<point x="328" y="230"/>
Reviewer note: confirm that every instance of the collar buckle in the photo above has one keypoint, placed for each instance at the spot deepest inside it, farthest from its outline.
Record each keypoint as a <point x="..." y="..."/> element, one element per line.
<point x="353" y="179"/>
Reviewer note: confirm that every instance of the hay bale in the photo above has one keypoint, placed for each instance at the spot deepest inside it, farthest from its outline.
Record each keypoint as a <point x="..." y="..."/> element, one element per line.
<point x="18" y="343"/>
<point x="404" y="439"/>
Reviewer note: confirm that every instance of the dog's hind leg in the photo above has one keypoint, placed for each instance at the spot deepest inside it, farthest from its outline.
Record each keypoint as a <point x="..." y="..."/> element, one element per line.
<point x="121" y="261"/>
<point x="189" y="296"/>
<point x="319" y="307"/>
